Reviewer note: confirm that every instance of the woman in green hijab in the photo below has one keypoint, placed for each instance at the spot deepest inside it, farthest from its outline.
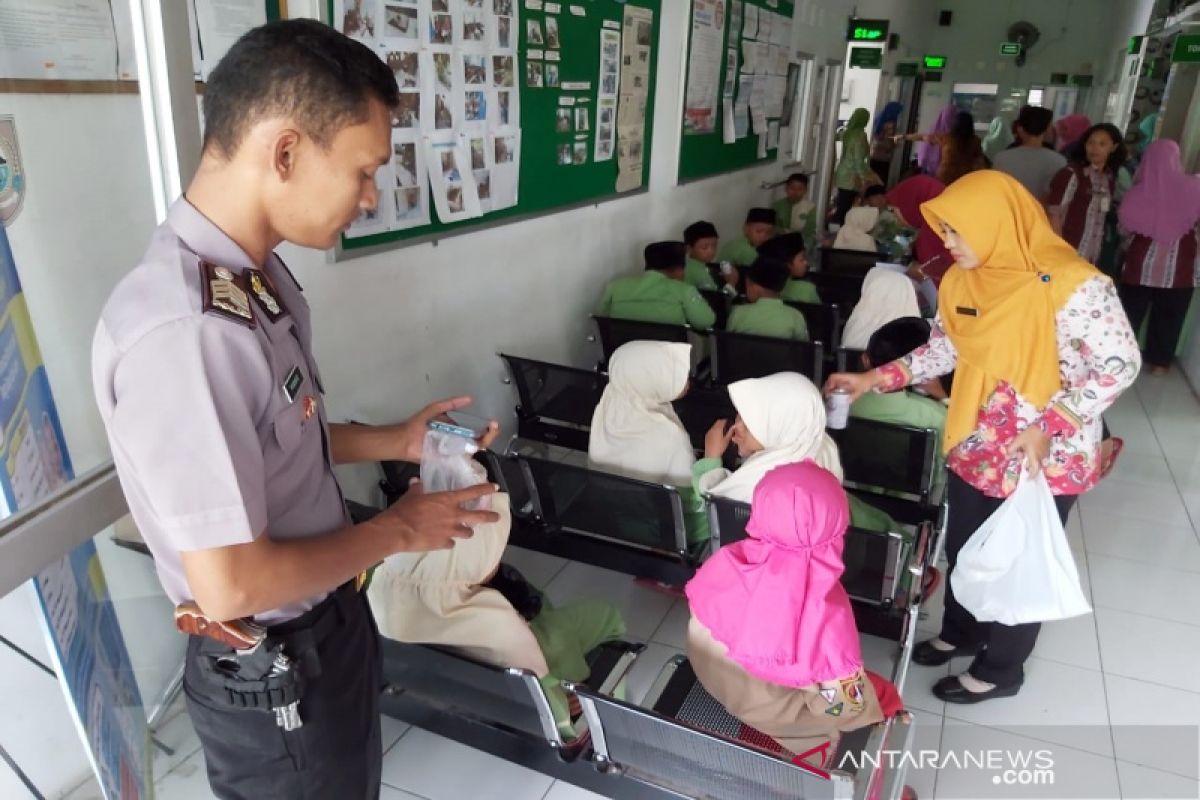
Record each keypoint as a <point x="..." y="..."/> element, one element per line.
<point x="853" y="171"/>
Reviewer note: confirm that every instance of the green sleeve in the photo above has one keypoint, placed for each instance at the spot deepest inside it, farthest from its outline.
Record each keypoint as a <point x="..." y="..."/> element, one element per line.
<point x="604" y="309"/>
<point x="697" y="274"/>
<point x="800" y="330"/>
<point x="868" y="517"/>
<point x="695" y="515"/>
<point x="701" y="468"/>
<point x="696" y="309"/>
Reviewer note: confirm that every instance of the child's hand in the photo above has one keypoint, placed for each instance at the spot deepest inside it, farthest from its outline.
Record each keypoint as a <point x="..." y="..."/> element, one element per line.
<point x="718" y="438"/>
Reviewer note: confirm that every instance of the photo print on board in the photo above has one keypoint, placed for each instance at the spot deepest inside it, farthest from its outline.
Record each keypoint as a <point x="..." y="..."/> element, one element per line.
<point x="581" y="120"/>
<point x="474" y="69"/>
<point x="404" y="162"/>
<point x="533" y="74"/>
<point x="441" y="29"/>
<point x="552" y="38"/>
<point x="552" y="76"/>
<point x="443" y="72"/>
<point x="503" y="103"/>
<point x="474" y="29"/>
<point x="562" y="122"/>
<point x="404" y="65"/>
<point x="502" y="71"/>
<point x="565" y="157"/>
<point x="401" y="21"/>
<point x="408" y="113"/>
<point x="358" y="21"/>
<point x="505" y="149"/>
<point x="533" y="32"/>
<point x="504" y="32"/>
<point x="478" y="154"/>
<point x="475" y="106"/>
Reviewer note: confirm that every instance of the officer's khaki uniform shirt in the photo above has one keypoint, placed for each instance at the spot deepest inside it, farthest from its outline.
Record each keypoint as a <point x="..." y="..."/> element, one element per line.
<point x="216" y="421"/>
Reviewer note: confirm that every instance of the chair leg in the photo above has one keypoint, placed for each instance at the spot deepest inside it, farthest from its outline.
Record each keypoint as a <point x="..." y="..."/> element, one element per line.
<point x="167" y="699"/>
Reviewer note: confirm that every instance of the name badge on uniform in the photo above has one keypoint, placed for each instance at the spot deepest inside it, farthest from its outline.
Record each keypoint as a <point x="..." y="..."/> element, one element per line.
<point x="1105" y="204"/>
<point x="292" y="383"/>
<point x="967" y="312"/>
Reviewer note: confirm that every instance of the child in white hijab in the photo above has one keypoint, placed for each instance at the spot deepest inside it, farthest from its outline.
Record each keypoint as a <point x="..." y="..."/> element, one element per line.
<point x="887" y="295"/>
<point x="855" y="234"/>
<point x="781" y="420"/>
<point x="635" y="430"/>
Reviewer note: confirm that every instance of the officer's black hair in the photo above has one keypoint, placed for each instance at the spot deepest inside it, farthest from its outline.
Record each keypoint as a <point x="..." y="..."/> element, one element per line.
<point x="897" y="339"/>
<point x="300" y="69"/>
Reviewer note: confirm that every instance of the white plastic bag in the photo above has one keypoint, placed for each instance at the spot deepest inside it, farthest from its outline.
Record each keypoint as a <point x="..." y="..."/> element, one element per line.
<point x="447" y="465"/>
<point x="1017" y="567"/>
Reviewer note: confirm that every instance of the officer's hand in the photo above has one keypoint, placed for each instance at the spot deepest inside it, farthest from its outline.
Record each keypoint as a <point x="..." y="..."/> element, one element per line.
<point x="418" y="522"/>
<point x="412" y="430"/>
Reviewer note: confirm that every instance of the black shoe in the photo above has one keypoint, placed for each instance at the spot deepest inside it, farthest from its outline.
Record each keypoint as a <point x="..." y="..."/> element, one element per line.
<point x="951" y="690"/>
<point x="927" y="655"/>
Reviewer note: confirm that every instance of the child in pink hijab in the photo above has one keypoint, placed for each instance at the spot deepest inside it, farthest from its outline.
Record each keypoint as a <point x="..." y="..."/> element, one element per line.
<point x="772" y="634"/>
<point x="1069" y="130"/>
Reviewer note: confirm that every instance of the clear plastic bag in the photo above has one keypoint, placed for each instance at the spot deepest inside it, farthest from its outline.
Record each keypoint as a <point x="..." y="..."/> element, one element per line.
<point x="447" y="464"/>
<point x="1018" y="566"/>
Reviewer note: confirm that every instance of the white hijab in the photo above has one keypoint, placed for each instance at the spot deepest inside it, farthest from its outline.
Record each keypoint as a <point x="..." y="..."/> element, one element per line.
<point x="435" y="597"/>
<point x="855" y="234"/>
<point x="887" y="295"/>
<point x="786" y="413"/>
<point x="635" y="431"/>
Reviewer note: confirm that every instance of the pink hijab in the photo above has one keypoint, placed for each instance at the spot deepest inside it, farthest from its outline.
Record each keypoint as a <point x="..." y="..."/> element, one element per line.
<point x="907" y="197"/>
<point x="1164" y="201"/>
<point x="775" y="600"/>
<point x="929" y="154"/>
<point x="1069" y="129"/>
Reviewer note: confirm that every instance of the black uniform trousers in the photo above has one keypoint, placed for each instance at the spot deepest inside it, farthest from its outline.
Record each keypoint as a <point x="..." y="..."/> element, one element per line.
<point x="1167" y="309"/>
<point x="1006" y="647"/>
<point x="337" y="752"/>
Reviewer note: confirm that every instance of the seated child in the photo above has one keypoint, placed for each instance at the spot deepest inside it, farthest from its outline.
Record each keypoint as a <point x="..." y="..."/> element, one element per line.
<point x="701" y="240"/>
<point x="780" y="420"/>
<point x="462" y="598"/>
<point x="772" y="634"/>
<point x="895" y="340"/>
<point x="760" y="225"/>
<point x="635" y="431"/>
<point x="789" y="248"/>
<point x="659" y="294"/>
<point x="888" y="231"/>
<point x="795" y="212"/>
<point x="886" y="295"/>
<point x="766" y="314"/>
<point x="855" y="234"/>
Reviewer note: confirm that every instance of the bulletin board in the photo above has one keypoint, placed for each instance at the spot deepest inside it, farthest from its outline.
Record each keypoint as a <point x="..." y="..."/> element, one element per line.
<point x="703" y="148"/>
<point x="549" y="131"/>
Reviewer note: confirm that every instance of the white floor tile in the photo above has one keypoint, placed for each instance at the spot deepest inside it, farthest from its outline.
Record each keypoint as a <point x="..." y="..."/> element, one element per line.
<point x="645" y="670"/>
<point x="1144" y="783"/>
<point x="1149" y="649"/>
<point x="1075" y="773"/>
<point x="391" y="793"/>
<point x="1175" y="546"/>
<point x="643" y="609"/>
<point x="1141" y="468"/>
<point x="188" y="781"/>
<point x="1070" y="641"/>
<point x="879" y="654"/>
<point x="1185" y="467"/>
<point x="1058" y="703"/>
<point x="562" y="790"/>
<point x="392" y="730"/>
<point x="440" y="769"/>
<point x="176" y="732"/>
<point x="1136" y="703"/>
<point x="927" y="736"/>
<point x="1138" y="434"/>
<point x="88" y="790"/>
<point x="1191" y="499"/>
<point x="1150" y="503"/>
<point x="538" y="568"/>
<point x="673" y="630"/>
<point x="1149" y="589"/>
<point x="918" y="688"/>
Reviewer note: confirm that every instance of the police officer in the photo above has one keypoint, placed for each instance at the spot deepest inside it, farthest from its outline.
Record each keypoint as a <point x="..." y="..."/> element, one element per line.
<point x="205" y="378"/>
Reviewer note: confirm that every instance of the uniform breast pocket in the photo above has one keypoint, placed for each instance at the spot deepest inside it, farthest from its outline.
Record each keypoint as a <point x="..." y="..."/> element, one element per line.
<point x="290" y="427"/>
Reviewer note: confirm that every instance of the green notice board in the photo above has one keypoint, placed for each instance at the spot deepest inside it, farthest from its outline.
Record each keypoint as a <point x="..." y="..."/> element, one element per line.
<point x="544" y="184"/>
<point x="701" y="155"/>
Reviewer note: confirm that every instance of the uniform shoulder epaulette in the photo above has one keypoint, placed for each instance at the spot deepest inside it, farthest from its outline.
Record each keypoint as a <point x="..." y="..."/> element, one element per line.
<point x="225" y="295"/>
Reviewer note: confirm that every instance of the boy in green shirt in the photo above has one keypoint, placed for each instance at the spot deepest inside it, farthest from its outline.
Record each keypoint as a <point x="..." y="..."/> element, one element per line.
<point x="795" y="212"/>
<point x="888" y="228"/>
<point x="896" y="340"/>
<point x="766" y="315"/>
<point x="789" y="248"/>
<point x="701" y="240"/>
<point x="760" y="224"/>
<point x="659" y="294"/>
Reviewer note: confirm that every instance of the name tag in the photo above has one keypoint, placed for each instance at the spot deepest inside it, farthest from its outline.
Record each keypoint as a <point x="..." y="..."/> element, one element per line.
<point x="967" y="312"/>
<point x="1105" y="203"/>
<point x="291" y="384"/>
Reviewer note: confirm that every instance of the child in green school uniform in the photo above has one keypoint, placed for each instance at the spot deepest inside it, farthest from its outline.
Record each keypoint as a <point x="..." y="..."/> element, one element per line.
<point x="896" y="340"/>
<point x="701" y="240"/>
<point x="795" y="212"/>
<point x="889" y="227"/>
<point x="760" y="224"/>
<point x="789" y="248"/>
<point x="766" y="315"/>
<point x="658" y="295"/>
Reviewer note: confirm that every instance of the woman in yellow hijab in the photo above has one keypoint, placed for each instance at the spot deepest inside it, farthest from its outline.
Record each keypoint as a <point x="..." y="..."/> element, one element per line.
<point x="1040" y="346"/>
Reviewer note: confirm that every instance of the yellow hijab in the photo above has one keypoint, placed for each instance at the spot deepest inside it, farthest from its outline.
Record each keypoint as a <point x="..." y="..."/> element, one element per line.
<point x="1000" y="315"/>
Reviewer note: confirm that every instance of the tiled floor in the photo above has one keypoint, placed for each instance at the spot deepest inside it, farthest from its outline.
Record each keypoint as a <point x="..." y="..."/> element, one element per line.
<point x="1131" y="663"/>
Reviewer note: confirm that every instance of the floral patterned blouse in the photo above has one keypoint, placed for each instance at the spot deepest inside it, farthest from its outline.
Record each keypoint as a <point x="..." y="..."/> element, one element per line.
<point x="1098" y="359"/>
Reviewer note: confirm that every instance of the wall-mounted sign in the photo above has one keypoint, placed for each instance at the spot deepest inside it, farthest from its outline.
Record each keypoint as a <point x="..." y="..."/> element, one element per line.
<point x="867" y="30"/>
<point x="1058" y="79"/>
<point x="1135" y="44"/>
<point x="1081" y="80"/>
<point x="935" y="62"/>
<point x="1010" y="48"/>
<point x="933" y="77"/>
<point x="907" y="69"/>
<point x="1187" y="48"/>
<point x="866" y="57"/>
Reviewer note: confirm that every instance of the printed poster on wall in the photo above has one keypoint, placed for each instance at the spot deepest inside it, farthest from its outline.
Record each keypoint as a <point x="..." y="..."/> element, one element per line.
<point x="87" y="648"/>
<point x="606" y="100"/>
<point x="704" y="67"/>
<point x="636" y="42"/>
<point x="58" y="40"/>
<point x="457" y="67"/>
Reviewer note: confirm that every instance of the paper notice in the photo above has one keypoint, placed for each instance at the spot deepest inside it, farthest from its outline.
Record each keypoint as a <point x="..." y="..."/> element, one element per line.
<point x="452" y="182"/>
<point x="765" y="24"/>
<point x="728" y="127"/>
<point x="704" y="67"/>
<point x="222" y="22"/>
<point x="409" y="187"/>
<point x="579" y="11"/>
<point x="762" y="147"/>
<point x="504" y="162"/>
<point x="636" y="43"/>
<point x="773" y="135"/>
<point x="750" y="23"/>
<point x="608" y="81"/>
<point x="57" y="39"/>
